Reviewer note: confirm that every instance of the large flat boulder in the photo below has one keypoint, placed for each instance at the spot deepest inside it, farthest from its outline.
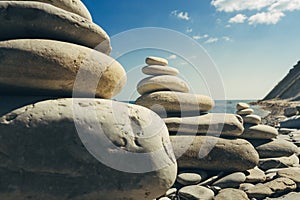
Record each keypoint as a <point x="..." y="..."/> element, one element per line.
<point x="33" y="66"/>
<point x="28" y="19"/>
<point x="84" y="149"/>
<point x="212" y="153"/>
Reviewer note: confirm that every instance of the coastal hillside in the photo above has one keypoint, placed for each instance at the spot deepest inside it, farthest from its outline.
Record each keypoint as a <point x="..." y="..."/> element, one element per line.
<point x="289" y="87"/>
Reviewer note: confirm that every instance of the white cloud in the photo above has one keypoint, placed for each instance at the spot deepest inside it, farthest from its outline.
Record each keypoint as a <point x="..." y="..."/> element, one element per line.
<point x="172" y="57"/>
<point x="265" y="18"/>
<point x="238" y="5"/>
<point x="285" y="5"/>
<point x="265" y="11"/>
<point x="239" y="18"/>
<point x="198" y="37"/>
<point x="211" y="40"/>
<point x="181" y="15"/>
<point x="189" y="30"/>
<point x="226" y="38"/>
<point x="228" y="26"/>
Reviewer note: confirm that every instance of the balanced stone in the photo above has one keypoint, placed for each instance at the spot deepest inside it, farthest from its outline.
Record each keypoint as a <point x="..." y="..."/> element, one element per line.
<point x="242" y="106"/>
<point x="152" y="60"/>
<point x="277" y="186"/>
<point x="259" y="132"/>
<point x="34" y="66"/>
<point x="27" y="19"/>
<point x="47" y="147"/>
<point x="231" y="194"/>
<point x="276" y="148"/>
<point x="247" y="111"/>
<point x="212" y="153"/>
<point x="252" y="119"/>
<point x="160" y="70"/>
<point x="169" y="101"/>
<point x="231" y="180"/>
<point x="196" y="192"/>
<point x="219" y="124"/>
<point x="162" y="83"/>
<point x="255" y="175"/>
<point x="74" y="6"/>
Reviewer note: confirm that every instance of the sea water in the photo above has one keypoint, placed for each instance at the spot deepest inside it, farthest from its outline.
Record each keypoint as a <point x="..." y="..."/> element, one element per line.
<point x="229" y="106"/>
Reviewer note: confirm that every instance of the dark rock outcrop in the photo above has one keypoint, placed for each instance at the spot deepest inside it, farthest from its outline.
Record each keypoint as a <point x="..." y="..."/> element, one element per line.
<point x="289" y="87"/>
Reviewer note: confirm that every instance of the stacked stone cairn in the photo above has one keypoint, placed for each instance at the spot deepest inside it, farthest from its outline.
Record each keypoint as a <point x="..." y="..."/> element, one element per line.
<point x="50" y="50"/>
<point x="220" y="156"/>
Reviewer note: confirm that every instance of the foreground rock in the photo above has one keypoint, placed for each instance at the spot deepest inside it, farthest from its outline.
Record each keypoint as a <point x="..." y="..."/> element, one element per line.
<point x="211" y="153"/>
<point x="50" y="67"/>
<point x="277" y="186"/>
<point x="196" y="192"/>
<point x="276" y="148"/>
<point x="281" y="162"/>
<point x="168" y="101"/>
<point x="291" y="173"/>
<point x="42" y="156"/>
<point x="74" y="6"/>
<point x="231" y="194"/>
<point x="293" y="122"/>
<point x="27" y="19"/>
<point x="220" y="124"/>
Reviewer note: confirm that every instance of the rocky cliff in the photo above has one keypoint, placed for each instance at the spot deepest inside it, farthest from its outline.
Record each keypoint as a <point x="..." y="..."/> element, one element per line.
<point x="289" y="87"/>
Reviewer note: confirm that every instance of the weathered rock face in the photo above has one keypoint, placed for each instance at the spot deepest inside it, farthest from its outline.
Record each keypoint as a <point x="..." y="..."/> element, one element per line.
<point x="221" y="124"/>
<point x="169" y="101"/>
<point x="289" y="87"/>
<point x="19" y="20"/>
<point x="211" y="153"/>
<point x="74" y="6"/>
<point x="42" y="155"/>
<point x="50" y="67"/>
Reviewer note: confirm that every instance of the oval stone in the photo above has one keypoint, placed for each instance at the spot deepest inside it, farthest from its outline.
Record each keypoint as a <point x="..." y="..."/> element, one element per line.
<point x="231" y="181"/>
<point x="160" y="70"/>
<point x="230" y="194"/>
<point x="74" y="6"/>
<point x="252" y="119"/>
<point x="152" y="60"/>
<point x="33" y="66"/>
<point x="215" y="123"/>
<point x="51" y="148"/>
<point x="196" y="192"/>
<point x="247" y="111"/>
<point x="27" y="19"/>
<point x="276" y="148"/>
<point x="242" y="106"/>
<point x="169" y="101"/>
<point x="259" y="132"/>
<point x="212" y="153"/>
<point x="162" y="83"/>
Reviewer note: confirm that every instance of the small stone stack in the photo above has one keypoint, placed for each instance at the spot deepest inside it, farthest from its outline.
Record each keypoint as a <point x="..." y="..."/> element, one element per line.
<point x="49" y="146"/>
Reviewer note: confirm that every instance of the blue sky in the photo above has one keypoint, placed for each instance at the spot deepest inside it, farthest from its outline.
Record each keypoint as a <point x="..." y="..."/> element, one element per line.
<point x="253" y="43"/>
